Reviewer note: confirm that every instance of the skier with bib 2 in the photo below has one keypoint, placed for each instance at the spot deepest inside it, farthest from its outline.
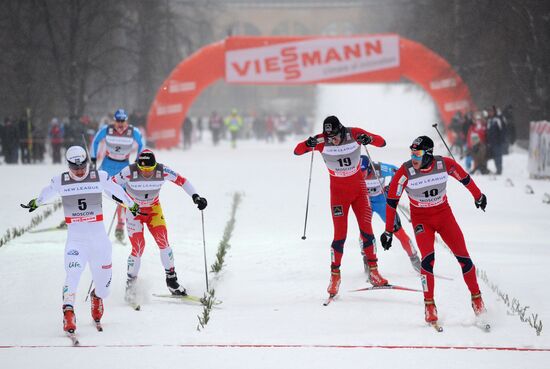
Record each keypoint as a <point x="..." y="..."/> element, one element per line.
<point x="377" y="199"/>
<point x="120" y="139"/>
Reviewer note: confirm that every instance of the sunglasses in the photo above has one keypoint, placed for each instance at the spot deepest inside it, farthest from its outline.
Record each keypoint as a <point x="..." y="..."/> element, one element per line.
<point x="120" y="121"/>
<point x="147" y="168"/>
<point x="74" y="166"/>
<point x="417" y="154"/>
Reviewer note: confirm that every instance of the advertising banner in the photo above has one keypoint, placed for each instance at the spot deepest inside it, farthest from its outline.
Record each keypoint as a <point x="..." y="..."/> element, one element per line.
<point x="311" y="60"/>
<point x="539" y="150"/>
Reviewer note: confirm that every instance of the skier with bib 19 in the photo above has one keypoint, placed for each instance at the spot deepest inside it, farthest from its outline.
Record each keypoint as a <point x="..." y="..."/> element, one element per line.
<point x="378" y="202"/>
<point x="80" y="189"/>
<point x="341" y="150"/>
<point x="424" y="178"/>
<point x="120" y="139"/>
<point x="142" y="182"/>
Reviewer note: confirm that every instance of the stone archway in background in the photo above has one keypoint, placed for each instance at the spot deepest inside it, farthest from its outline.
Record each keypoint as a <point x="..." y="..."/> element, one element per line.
<point x="303" y="60"/>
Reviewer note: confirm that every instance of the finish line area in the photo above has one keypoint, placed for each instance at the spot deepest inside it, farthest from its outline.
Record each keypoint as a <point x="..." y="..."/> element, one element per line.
<point x="291" y="346"/>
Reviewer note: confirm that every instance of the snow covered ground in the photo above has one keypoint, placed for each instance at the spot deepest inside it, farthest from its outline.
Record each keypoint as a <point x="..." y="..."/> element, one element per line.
<point x="273" y="283"/>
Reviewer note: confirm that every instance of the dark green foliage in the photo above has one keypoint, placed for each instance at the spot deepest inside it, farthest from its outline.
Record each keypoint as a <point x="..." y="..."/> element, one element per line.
<point x="15" y="232"/>
<point x="209" y="299"/>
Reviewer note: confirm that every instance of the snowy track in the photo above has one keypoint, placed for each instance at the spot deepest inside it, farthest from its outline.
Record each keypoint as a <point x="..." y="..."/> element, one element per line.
<point x="274" y="283"/>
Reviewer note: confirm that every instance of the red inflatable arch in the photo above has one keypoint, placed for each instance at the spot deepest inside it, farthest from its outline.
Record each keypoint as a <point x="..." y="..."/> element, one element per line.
<point x="303" y="60"/>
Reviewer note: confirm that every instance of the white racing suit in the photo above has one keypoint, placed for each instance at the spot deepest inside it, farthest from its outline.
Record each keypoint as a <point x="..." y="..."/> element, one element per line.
<point x="87" y="241"/>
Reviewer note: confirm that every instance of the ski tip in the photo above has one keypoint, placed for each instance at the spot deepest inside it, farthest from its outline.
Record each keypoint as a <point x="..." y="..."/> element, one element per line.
<point x="329" y="300"/>
<point x="436" y="326"/>
<point x="485" y="327"/>
<point x="71" y="334"/>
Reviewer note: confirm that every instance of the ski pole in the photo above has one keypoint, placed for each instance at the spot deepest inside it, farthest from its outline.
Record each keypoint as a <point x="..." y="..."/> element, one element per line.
<point x="442" y="139"/>
<point x="111" y="225"/>
<point x="204" y="251"/>
<point x="26" y="206"/>
<point x="308" y="189"/>
<point x="86" y="146"/>
<point x="89" y="290"/>
<point x="404" y="214"/>
<point x="375" y="174"/>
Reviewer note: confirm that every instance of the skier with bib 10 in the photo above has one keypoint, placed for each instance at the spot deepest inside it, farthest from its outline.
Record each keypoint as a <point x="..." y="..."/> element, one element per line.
<point x="424" y="178"/>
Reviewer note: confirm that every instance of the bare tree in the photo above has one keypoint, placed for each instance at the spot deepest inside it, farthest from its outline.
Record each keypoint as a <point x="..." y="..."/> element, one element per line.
<point x="83" y="46"/>
<point x="23" y="77"/>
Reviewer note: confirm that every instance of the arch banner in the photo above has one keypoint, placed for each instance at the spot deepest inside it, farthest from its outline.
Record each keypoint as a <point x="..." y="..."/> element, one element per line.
<point x="303" y="60"/>
<point x="312" y="60"/>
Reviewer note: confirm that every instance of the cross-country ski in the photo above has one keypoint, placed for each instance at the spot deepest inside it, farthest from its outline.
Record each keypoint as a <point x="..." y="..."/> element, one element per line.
<point x="74" y="339"/>
<point x="330" y="299"/>
<point x="387" y="287"/>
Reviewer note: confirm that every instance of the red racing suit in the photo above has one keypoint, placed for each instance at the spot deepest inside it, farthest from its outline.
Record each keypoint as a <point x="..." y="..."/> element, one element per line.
<point x="430" y="213"/>
<point x="347" y="188"/>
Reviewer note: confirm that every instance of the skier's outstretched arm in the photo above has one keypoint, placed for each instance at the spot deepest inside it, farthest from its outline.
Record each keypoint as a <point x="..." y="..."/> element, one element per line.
<point x="316" y="142"/>
<point x="367" y="138"/>
<point x="47" y="193"/>
<point x="454" y="169"/>
<point x="115" y="189"/>
<point x="99" y="136"/>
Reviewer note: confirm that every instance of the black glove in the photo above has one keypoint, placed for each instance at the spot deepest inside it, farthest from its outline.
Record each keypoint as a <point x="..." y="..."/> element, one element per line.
<point x="31" y="205"/>
<point x="386" y="239"/>
<point x="93" y="163"/>
<point x="311" y="142"/>
<point x="200" y="201"/>
<point x="481" y="202"/>
<point x="364" y="139"/>
<point x="134" y="209"/>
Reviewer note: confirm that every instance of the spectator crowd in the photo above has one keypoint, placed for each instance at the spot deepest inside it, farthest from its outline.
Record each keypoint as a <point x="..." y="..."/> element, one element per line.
<point x="234" y="127"/>
<point x="482" y="136"/>
<point x="477" y="137"/>
<point x="27" y="141"/>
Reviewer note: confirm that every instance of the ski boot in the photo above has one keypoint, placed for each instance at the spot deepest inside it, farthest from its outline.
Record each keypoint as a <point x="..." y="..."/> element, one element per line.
<point x="375" y="278"/>
<point x="478" y="305"/>
<point x="365" y="263"/>
<point x="481" y="313"/>
<point x="130" y="293"/>
<point x="430" y="311"/>
<point x="415" y="262"/>
<point x="97" y="307"/>
<point x="173" y="285"/>
<point x="69" y="320"/>
<point x="334" y="284"/>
